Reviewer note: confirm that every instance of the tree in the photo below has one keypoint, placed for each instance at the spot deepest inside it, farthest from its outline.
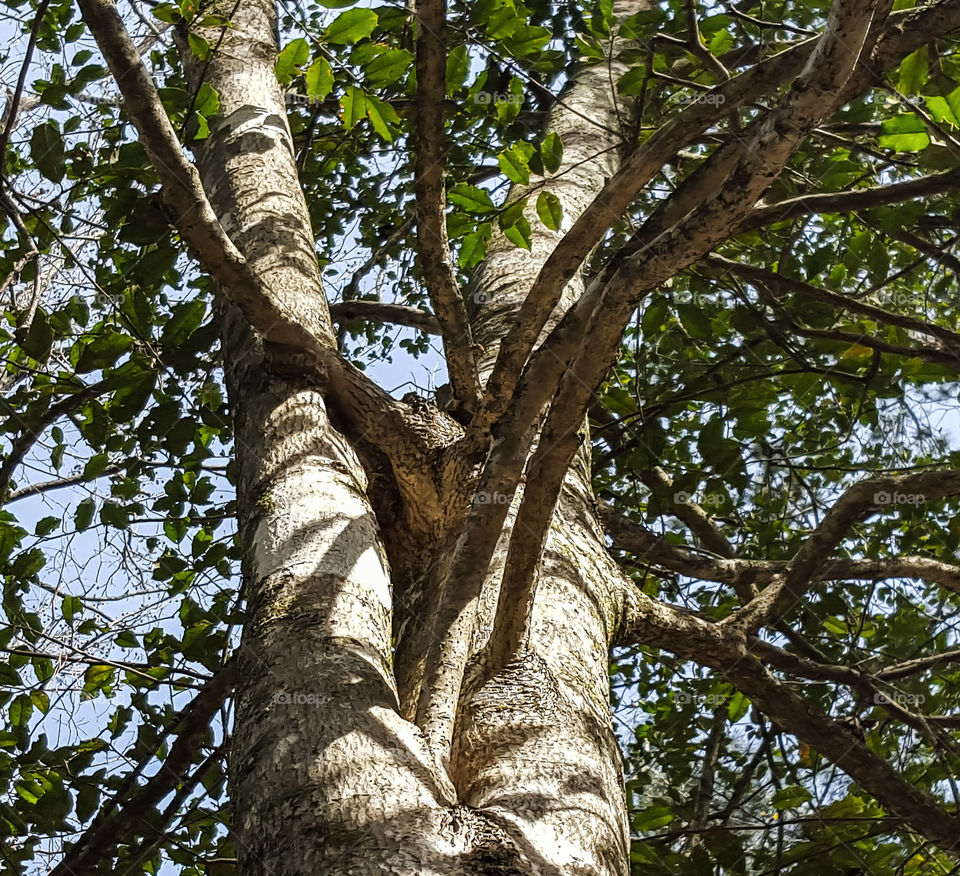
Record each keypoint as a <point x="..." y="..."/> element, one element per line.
<point x="691" y="275"/>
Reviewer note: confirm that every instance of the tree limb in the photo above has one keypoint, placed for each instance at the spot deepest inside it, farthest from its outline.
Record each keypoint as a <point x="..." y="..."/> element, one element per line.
<point x="855" y="199"/>
<point x="433" y="247"/>
<point x="653" y="623"/>
<point x="860" y="500"/>
<point x="759" y="159"/>
<point x="382" y="311"/>
<point x="119" y="823"/>
<point x="183" y="192"/>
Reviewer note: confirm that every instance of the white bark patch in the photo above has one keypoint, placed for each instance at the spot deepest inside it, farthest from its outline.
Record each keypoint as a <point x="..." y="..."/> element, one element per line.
<point x="319" y="528"/>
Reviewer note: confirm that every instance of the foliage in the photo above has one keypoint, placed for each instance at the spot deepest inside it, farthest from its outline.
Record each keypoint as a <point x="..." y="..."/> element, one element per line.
<point x="120" y="574"/>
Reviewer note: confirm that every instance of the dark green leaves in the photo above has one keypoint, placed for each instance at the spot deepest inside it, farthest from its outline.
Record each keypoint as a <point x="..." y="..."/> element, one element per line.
<point x="103" y="351"/>
<point x="47" y="151"/>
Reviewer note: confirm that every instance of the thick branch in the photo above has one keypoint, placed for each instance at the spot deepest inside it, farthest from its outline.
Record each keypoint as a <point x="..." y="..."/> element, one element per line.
<point x="433" y="247"/>
<point x="646" y="545"/>
<point x="707" y="644"/>
<point x="758" y="161"/>
<point x="181" y="188"/>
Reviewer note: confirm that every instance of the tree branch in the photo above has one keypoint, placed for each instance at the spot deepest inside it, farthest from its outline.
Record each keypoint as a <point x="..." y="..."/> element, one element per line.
<point x="381" y="311"/>
<point x="433" y="247"/>
<point x="855" y="199"/>
<point x="31" y="432"/>
<point x="650" y="622"/>
<point x="183" y="192"/>
<point x="949" y="339"/>
<point x="120" y="822"/>
<point x="857" y="502"/>
<point x="759" y="159"/>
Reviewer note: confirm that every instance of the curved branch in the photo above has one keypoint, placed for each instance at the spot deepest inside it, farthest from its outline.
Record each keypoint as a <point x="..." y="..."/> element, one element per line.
<point x="860" y="500"/>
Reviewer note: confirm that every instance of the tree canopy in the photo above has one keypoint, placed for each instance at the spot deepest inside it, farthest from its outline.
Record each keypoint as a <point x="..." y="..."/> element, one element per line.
<point x="777" y="442"/>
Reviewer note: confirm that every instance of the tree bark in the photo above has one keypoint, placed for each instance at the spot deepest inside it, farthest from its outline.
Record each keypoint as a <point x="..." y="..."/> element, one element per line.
<point x="326" y="775"/>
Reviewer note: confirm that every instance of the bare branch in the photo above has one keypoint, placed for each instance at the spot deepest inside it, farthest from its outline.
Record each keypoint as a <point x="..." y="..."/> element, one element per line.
<point x="758" y="160"/>
<point x="949" y="339"/>
<point x="609" y="205"/>
<point x="433" y="247"/>
<point x="13" y="102"/>
<point x="183" y="192"/>
<point x="855" y="199"/>
<point x="653" y="623"/>
<point x="381" y="311"/>
<point x="32" y="430"/>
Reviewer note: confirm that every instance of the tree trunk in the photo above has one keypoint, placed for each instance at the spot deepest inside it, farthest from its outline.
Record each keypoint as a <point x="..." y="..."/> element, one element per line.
<point x="326" y="775"/>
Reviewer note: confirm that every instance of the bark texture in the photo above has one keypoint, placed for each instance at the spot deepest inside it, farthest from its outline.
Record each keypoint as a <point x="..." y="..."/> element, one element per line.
<point x="327" y="777"/>
<point x="472" y="755"/>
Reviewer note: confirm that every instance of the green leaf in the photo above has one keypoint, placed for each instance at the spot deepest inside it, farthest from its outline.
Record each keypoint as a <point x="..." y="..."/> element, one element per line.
<point x="39" y="339"/>
<point x="351" y="26"/>
<point x="294" y="55"/>
<point x="551" y="149"/>
<point x="458" y="66"/>
<point x="83" y="516"/>
<point x="354" y="105"/>
<point x="739" y="705"/>
<point x="319" y="78"/>
<point x="207" y="102"/>
<point x="904" y="133"/>
<point x="185" y="320"/>
<point x="945" y="109"/>
<point x="653" y="817"/>
<point x="550" y="210"/>
<point x="46" y="525"/>
<point x="474" y="246"/>
<point x="694" y="321"/>
<point x="126" y="639"/>
<point x="654" y="316"/>
<point x="71" y="607"/>
<point x="20" y="710"/>
<point x="381" y="115"/>
<point x="388" y="67"/>
<point x="471" y="199"/>
<point x="199" y="46"/>
<point x="791" y="797"/>
<point x="97" y="678"/>
<point x="130" y="399"/>
<point x="519" y="233"/>
<point x="515" y="162"/>
<point x="914" y="70"/>
<point x="103" y="351"/>
<point x="47" y="151"/>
